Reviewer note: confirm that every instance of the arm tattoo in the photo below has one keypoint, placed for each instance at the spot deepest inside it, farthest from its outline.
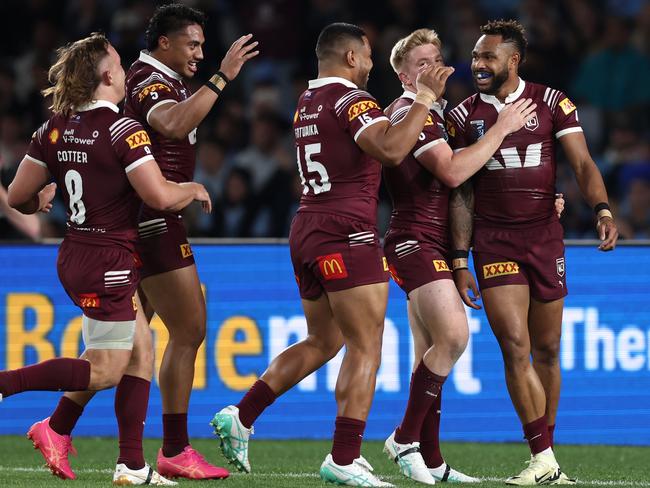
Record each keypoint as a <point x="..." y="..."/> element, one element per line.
<point x="461" y="215"/>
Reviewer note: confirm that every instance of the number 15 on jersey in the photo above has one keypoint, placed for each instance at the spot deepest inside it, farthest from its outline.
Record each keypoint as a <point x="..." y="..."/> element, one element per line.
<point x="320" y="184"/>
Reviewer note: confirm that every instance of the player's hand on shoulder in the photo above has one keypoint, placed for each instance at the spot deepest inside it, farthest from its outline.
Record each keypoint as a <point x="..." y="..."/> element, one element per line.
<point x="607" y="233"/>
<point x="515" y="115"/>
<point x="465" y="283"/>
<point x="45" y="197"/>
<point x="434" y="79"/>
<point x="237" y="55"/>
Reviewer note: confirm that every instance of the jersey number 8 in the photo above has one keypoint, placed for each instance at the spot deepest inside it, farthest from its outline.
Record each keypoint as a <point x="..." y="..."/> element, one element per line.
<point x="75" y="188"/>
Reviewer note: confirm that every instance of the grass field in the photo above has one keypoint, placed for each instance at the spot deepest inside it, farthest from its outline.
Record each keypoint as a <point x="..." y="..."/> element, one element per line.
<point x="295" y="463"/>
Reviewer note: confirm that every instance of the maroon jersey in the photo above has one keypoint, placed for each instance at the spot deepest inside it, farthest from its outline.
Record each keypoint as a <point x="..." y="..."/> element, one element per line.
<point x="337" y="176"/>
<point x="420" y="201"/>
<point x="517" y="185"/>
<point x="89" y="155"/>
<point x="150" y="84"/>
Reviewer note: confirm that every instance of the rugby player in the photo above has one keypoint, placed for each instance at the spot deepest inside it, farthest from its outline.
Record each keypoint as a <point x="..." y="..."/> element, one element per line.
<point x="342" y="140"/>
<point x="518" y="249"/>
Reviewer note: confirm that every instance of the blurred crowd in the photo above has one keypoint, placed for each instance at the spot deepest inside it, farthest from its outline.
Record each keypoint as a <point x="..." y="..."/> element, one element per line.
<point x="597" y="51"/>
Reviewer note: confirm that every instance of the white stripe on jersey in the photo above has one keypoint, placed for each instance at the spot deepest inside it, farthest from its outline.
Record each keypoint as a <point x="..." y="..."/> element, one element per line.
<point x="138" y="162"/>
<point x="554" y="99"/>
<point x="457" y="119"/>
<point x="399" y="114"/>
<point x="152" y="78"/>
<point x="118" y="123"/>
<point x="162" y="102"/>
<point x="567" y="131"/>
<point x="427" y="146"/>
<point x="346" y="99"/>
<point x="365" y="126"/>
<point x="123" y="129"/>
<point x="463" y="109"/>
<point x="34" y="160"/>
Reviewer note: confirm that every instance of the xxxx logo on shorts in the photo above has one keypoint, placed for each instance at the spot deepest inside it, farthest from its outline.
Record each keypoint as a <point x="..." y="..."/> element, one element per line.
<point x="332" y="266"/>
<point x="88" y="300"/>
<point x="138" y="139"/>
<point x="440" y="265"/>
<point x="186" y="250"/>
<point x="360" y="107"/>
<point x="493" y="270"/>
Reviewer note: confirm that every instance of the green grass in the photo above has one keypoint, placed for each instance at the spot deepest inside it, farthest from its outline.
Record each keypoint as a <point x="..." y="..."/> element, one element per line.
<point x="294" y="464"/>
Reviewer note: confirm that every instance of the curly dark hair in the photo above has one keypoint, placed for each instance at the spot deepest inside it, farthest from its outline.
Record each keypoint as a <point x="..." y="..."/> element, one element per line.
<point x="171" y="18"/>
<point x="510" y="31"/>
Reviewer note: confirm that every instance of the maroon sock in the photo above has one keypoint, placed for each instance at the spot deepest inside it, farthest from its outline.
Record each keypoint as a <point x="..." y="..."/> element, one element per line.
<point x="175" y="437"/>
<point x="536" y="432"/>
<point x="52" y="375"/>
<point x="255" y="402"/>
<point x="424" y="391"/>
<point x="551" y="434"/>
<point x="348" y="434"/>
<point x="65" y="416"/>
<point x="131" y="401"/>
<point x="430" y="435"/>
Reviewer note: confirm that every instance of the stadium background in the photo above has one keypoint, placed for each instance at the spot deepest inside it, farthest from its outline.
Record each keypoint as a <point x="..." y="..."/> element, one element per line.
<point x="597" y="51"/>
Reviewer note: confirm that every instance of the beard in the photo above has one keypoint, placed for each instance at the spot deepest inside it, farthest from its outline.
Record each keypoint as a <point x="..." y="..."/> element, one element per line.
<point x="498" y="79"/>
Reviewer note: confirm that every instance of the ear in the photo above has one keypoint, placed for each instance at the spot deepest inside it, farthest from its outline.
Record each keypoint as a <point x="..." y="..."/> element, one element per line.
<point x="514" y="60"/>
<point x="163" y="43"/>
<point x="404" y="79"/>
<point x="107" y="78"/>
<point x="350" y="58"/>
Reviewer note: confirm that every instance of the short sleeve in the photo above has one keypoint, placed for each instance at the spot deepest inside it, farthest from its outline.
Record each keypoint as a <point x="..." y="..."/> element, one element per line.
<point x="131" y="143"/>
<point x="357" y="110"/>
<point x="565" y="113"/>
<point x="151" y="93"/>
<point x="456" y="130"/>
<point x="36" y="152"/>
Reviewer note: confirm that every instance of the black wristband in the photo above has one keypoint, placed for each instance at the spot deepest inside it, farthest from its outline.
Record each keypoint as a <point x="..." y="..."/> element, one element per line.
<point x="601" y="206"/>
<point x="220" y="73"/>
<point x="459" y="253"/>
<point x="213" y="87"/>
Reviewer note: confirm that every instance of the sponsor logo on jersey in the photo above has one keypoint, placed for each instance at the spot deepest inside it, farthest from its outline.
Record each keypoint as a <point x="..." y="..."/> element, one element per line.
<point x="152" y="88"/>
<point x="186" y="250"/>
<point x="384" y="261"/>
<point x="53" y="136"/>
<point x="138" y="139"/>
<point x="559" y="266"/>
<point x="135" y="304"/>
<point x="440" y="265"/>
<point x="332" y="266"/>
<point x="532" y="124"/>
<point x="360" y="108"/>
<point x="567" y="106"/>
<point x="393" y="274"/>
<point x="295" y="117"/>
<point x="89" y="300"/>
<point x="493" y="270"/>
<point x="451" y="130"/>
<point x="479" y="127"/>
<point x="429" y="120"/>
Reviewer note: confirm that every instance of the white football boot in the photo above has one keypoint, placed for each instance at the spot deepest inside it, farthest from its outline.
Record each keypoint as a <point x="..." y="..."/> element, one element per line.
<point x="446" y="474"/>
<point x="124" y="476"/>
<point x="359" y="473"/>
<point x="542" y="470"/>
<point x="234" y="437"/>
<point x="409" y="459"/>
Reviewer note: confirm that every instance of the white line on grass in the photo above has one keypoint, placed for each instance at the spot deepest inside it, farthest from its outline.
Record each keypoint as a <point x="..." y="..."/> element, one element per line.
<point x="27" y="469"/>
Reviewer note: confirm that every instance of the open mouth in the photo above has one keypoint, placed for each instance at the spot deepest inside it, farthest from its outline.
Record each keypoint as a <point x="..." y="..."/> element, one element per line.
<point x="483" y="78"/>
<point x="192" y="66"/>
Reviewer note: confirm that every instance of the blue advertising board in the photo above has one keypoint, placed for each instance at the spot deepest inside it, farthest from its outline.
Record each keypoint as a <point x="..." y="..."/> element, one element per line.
<point x="254" y="312"/>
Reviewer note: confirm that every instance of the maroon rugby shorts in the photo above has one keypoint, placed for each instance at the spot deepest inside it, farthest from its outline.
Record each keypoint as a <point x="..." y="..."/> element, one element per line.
<point x="101" y="280"/>
<point x="332" y="253"/>
<point x="415" y="258"/>
<point x="162" y="244"/>
<point x="532" y="256"/>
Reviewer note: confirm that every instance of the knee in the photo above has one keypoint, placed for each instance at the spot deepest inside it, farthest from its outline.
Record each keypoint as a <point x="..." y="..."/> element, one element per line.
<point x="455" y="342"/>
<point x="190" y="334"/>
<point x="104" y="375"/>
<point x="547" y="353"/>
<point x="327" y="346"/>
<point x="515" y="350"/>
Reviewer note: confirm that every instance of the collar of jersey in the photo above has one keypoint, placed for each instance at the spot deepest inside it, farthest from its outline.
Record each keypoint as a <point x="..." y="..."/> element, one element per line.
<point x="319" y="82"/>
<point x="149" y="59"/>
<point x="98" y="104"/>
<point x="510" y="98"/>
<point x="439" y="107"/>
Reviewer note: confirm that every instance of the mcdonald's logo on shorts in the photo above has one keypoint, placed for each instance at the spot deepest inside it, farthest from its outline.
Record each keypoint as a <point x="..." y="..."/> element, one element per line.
<point x="186" y="250"/>
<point x="332" y="266"/>
<point x="440" y="265"/>
<point x="493" y="270"/>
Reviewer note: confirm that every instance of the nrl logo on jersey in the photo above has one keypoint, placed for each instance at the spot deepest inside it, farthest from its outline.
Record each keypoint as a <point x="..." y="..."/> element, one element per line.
<point x="559" y="264"/>
<point x="532" y="124"/>
<point x="479" y="127"/>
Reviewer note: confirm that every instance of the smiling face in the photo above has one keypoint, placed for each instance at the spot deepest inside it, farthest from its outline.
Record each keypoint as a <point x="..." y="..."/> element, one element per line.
<point x="182" y="50"/>
<point x="419" y="58"/>
<point x="493" y="62"/>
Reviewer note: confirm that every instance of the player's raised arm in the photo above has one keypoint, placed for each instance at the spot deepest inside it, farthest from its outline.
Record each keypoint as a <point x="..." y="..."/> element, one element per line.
<point x="591" y="186"/>
<point x="455" y="168"/>
<point x="177" y="120"/>
<point x="390" y="143"/>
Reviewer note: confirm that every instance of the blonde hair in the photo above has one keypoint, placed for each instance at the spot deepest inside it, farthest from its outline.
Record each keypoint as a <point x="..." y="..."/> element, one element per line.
<point x="403" y="47"/>
<point x="74" y="75"/>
